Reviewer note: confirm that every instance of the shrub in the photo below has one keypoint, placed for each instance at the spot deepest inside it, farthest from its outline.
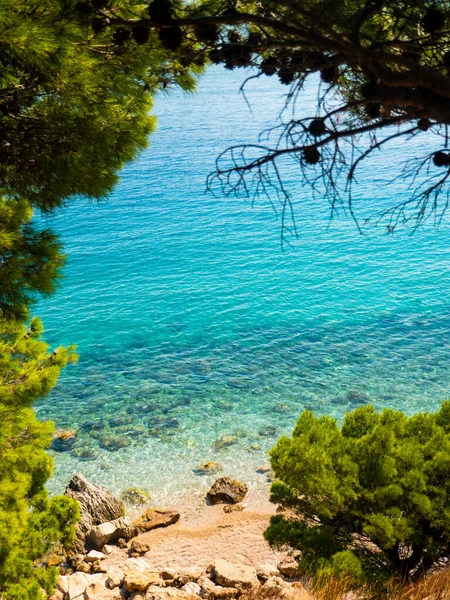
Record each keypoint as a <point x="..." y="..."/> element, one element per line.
<point x="30" y="522"/>
<point x="368" y="500"/>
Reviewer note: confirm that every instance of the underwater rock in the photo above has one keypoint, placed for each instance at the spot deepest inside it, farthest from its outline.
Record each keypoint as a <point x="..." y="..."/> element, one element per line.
<point x="63" y="440"/>
<point x="208" y="468"/>
<point x="120" y="420"/>
<point x="135" y="497"/>
<point x="84" y="452"/>
<point x="225" y="442"/>
<point x="224" y="405"/>
<point x="240" y="433"/>
<point x="358" y="397"/>
<point x="112" y="442"/>
<point x="254" y="447"/>
<point x="263" y="469"/>
<point x="97" y="505"/>
<point x="92" y="425"/>
<point x="202" y="367"/>
<point x="227" y="490"/>
<point x="241" y="383"/>
<point x="131" y="430"/>
<point x="281" y="408"/>
<point x="269" y="431"/>
<point x="339" y="400"/>
<point x="163" y="422"/>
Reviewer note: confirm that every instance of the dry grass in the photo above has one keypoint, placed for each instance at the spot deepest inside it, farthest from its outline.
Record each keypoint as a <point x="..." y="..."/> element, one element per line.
<point x="433" y="587"/>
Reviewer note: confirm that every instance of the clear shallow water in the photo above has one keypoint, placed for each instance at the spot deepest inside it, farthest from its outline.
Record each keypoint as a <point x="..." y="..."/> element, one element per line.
<point x="191" y="323"/>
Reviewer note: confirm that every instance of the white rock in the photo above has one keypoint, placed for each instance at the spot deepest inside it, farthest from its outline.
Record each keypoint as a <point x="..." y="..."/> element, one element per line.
<point x="169" y="593"/>
<point x="188" y="574"/>
<point x="98" y="591"/>
<point x="277" y="588"/>
<point x="114" y="577"/>
<point x="241" y="577"/>
<point x="57" y="595"/>
<point x="265" y="571"/>
<point x="62" y="583"/>
<point x="192" y="588"/>
<point x="211" y="590"/>
<point x="107" y="549"/>
<point x="168" y="574"/>
<point x="77" y="583"/>
<point x="109" y="532"/>
<point x="206" y="585"/>
<point x="289" y="567"/>
<point x="137" y="564"/>
<point x="93" y="556"/>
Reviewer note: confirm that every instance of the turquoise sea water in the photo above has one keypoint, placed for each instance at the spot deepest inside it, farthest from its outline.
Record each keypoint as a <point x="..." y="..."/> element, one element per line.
<point x="192" y="324"/>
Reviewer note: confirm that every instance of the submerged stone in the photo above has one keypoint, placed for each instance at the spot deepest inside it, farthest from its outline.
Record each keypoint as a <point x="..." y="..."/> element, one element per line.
<point x="135" y="497"/>
<point x="112" y="443"/>
<point x="64" y="440"/>
<point x="269" y="431"/>
<point x="202" y="367"/>
<point x="84" y="452"/>
<point x="225" y="442"/>
<point x="281" y="408"/>
<point x="92" y="426"/>
<point x="208" y="468"/>
<point x="358" y="397"/>
<point x="120" y="420"/>
<point x="239" y="382"/>
<point x="339" y="400"/>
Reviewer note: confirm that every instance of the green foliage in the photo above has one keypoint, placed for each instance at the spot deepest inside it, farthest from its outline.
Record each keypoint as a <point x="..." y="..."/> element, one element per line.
<point x="75" y="98"/>
<point x="30" y="522"/>
<point x="76" y="91"/>
<point x="369" y="499"/>
<point x="31" y="260"/>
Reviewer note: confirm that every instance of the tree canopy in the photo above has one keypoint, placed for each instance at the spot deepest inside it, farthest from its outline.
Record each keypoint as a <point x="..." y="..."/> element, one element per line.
<point x="75" y="101"/>
<point x="30" y="522"/>
<point x="368" y="499"/>
<point x="384" y="73"/>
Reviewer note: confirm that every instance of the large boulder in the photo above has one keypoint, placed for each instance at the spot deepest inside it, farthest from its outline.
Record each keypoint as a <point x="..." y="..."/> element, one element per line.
<point x="241" y="577"/>
<point x="110" y="531"/>
<point x="153" y="518"/>
<point x="227" y="490"/>
<point x="97" y="505"/>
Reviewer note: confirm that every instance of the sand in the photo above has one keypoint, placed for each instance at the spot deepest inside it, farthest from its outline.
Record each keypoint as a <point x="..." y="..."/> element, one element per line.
<point x="205" y="533"/>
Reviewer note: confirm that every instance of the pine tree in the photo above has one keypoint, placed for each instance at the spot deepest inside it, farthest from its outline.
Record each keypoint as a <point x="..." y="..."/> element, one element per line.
<point x="76" y="91"/>
<point x="370" y="497"/>
<point x="30" y="522"/>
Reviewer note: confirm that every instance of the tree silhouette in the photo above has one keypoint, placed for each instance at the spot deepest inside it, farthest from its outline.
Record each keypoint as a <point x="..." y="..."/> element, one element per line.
<point x="384" y="71"/>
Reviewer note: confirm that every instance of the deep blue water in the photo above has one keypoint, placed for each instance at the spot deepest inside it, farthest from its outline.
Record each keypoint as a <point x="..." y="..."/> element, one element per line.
<point x="192" y="324"/>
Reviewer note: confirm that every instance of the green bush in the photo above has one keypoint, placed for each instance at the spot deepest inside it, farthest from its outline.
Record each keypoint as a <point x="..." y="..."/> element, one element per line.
<point x="30" y="522"/>
<point x="369" y="499"/>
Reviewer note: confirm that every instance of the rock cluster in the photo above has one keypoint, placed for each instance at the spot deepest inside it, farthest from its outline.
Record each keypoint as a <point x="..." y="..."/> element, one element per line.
<point x="94" y="573"/>
<point x="137" y="580"/>
<point x="103" y="519"/>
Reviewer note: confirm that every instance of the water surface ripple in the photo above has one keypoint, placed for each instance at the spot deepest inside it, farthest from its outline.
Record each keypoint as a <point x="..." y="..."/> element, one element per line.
<point x="192" y="324"/>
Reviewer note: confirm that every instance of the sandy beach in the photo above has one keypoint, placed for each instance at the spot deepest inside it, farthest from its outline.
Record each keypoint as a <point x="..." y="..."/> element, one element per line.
<point x="205" y="533"/>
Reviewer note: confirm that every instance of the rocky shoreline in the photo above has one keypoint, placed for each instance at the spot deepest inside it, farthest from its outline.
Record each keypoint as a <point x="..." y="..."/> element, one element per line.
<point x="157" y="557"/>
